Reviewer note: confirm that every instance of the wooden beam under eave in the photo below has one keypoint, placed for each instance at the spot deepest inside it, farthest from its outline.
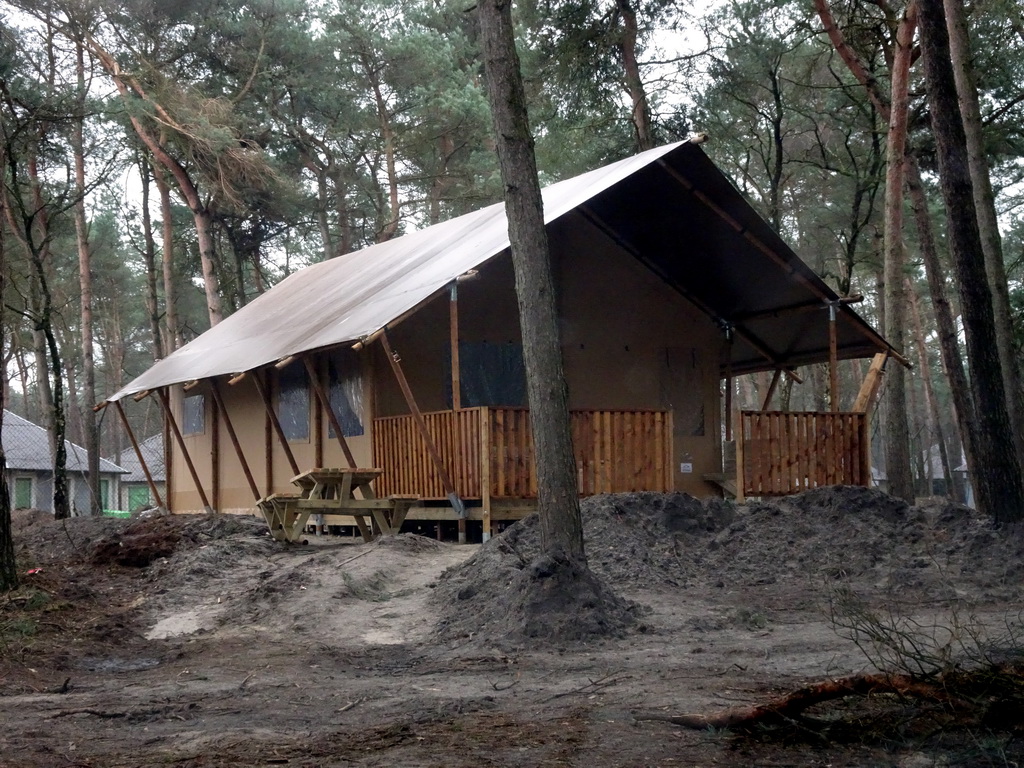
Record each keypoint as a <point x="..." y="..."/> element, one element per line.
<point x="453" y="330"/>
<point x="223" y="410"/>
<point x="771" y="389"/>
<point x="275" y="423"/>
<point x="833" y="359"/>
<point x="138" y="453"/>
<point x="869" y="387"/>
<point x="165" y="402"/>
<point x="421" y="424"/>
<point x="325" y="402"/>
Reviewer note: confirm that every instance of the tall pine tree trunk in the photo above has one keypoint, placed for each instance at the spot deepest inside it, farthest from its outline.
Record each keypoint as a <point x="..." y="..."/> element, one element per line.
<point x="988" y="225"/>
<point x="897" y="434"/>
<point x="149" y="256"/>
<point x="558" y="496"/>
<point x="91" y="430"/>
<point x="999" y="486"/>
<point x="8" y="564"/>
<point x="173" y="339"/>
<point x="949" y="342"/>
<point x="933" y="419"/>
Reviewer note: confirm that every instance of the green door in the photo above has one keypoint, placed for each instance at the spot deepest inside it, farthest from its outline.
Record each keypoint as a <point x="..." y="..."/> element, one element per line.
<point x="138" y="498"/>
<point x="22" y="492"/>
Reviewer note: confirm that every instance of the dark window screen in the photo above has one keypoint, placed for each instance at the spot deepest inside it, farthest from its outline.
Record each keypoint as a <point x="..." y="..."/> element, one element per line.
<point x="194" y="421"/>
<point x="489" y="374"/>
<point x="293" y="402"/>
<point x="346" y="393"/>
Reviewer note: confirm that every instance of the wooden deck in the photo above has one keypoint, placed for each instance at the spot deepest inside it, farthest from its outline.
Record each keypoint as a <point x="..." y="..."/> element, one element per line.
<point x="780" y="453"/>
<point x="488" y="452"/>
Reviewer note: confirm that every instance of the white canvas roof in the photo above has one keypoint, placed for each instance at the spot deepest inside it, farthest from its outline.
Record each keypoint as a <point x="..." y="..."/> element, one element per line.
<point x="670" y="207"/>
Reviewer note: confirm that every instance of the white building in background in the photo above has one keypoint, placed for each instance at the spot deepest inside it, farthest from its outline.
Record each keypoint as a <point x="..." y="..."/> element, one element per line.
<point x="30" y="469"/>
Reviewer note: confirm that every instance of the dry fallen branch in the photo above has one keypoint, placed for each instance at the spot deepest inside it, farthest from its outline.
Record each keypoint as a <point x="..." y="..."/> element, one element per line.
<point x="790" y="706"/>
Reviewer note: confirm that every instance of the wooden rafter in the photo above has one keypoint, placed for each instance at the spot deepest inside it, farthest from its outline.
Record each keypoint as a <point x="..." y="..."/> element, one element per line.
<point x="138" y="454"/>
<point x="222" y="408"/>
<point x="165" y="402"/>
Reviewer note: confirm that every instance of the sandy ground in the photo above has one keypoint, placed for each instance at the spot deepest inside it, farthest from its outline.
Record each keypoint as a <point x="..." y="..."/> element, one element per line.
<point x="219" y="647"/>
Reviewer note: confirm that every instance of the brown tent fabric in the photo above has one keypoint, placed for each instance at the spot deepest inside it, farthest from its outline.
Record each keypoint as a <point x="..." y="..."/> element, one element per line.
<point x="670" y="207"/>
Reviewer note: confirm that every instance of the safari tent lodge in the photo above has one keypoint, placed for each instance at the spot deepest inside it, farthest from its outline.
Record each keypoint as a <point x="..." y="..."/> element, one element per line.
<point x="388" y="384"/>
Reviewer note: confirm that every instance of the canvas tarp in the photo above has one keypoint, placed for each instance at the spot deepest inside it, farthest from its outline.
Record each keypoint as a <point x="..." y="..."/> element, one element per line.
<point x="352" y="296"/>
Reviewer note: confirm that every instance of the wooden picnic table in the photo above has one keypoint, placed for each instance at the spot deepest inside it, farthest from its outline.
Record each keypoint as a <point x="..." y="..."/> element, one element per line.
<point x="325" y="491"/>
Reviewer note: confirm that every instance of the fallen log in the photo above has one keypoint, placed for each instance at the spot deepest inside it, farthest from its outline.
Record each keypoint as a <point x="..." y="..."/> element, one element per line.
<point x="789" y="707"/>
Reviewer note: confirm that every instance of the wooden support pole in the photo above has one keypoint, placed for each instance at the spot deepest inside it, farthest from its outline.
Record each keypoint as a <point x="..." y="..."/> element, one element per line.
<point x="417" y="415"/>
<point x="165" y="402"/>
<point x="833" y="359"/>
<point x="138" y="453"/>
<point x="325" y="401"/>
<point x="269" y="406"/>
<point x="215" y="456"/>
<point x="869" y="387"/>
<point x="453" y="325"/>
<point x="771" y="389"/>
<point x="729" y="385"/>
<point x="485" y="470"/>
<point x="222" y="408"/>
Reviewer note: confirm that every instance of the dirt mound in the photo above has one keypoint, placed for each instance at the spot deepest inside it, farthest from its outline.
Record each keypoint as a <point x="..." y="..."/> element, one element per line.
<point x="844" y="534"/>
<point x="500" y="598"/>
<point x="151" y="538"/>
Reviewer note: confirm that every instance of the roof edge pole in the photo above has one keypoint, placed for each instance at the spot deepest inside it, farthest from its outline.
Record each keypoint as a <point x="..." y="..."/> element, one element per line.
<point x="325" y="401"/>
<point x="234" y="440"/>
<point x="833" y="359"/>
<point x="768" y="251"/>
<point x="771" y="389"/>
<point x="453" y="327"/>
<point x="138" y="454"/>
<point x="728" y="382"/>
<point x="265" y="396"/>
<point x="421" y="424"/>
<point x="165" y="402"/>
<point x="869" y="387"/>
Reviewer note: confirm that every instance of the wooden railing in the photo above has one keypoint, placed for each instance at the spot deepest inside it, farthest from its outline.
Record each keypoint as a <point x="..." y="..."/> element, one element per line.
<point x="780" y="453"/>
<point x="398" y="448"/>
<point x="489" y="451"/>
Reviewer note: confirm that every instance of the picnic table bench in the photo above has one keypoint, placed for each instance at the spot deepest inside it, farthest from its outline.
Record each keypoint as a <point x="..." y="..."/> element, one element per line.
<point x="326" y="491"/>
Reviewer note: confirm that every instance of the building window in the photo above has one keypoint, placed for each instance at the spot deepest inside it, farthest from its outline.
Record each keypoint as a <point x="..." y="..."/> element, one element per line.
<point x="23" y="493"/>
<point x="104" y="493"/>
<point x="293" y="402"/>
<point x="346" y="393"/>
<point x="194" y="415"/>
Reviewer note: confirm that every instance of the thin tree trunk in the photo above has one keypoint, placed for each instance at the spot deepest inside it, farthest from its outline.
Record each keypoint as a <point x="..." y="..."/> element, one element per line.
<point x="173" y="340"/>
<point x="934" y="420"/>
<point x="149" y="256"/>
<point x="949" y="343"/>
<point x="988" y="225"/>
<point x="1000" y="488"/>
<point x="641" y="113"/>
<point x="88" y="417"/>
<point x="8" y="563"/>
<point x="200" y="213"/>
<point x="558" y="497"/>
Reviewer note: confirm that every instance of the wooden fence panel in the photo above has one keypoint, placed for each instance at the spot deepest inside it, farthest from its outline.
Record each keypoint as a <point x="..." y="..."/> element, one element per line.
<point x="785" y="453"/>
<point x="399" y="449"/>
<point x="616" y="451"/>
